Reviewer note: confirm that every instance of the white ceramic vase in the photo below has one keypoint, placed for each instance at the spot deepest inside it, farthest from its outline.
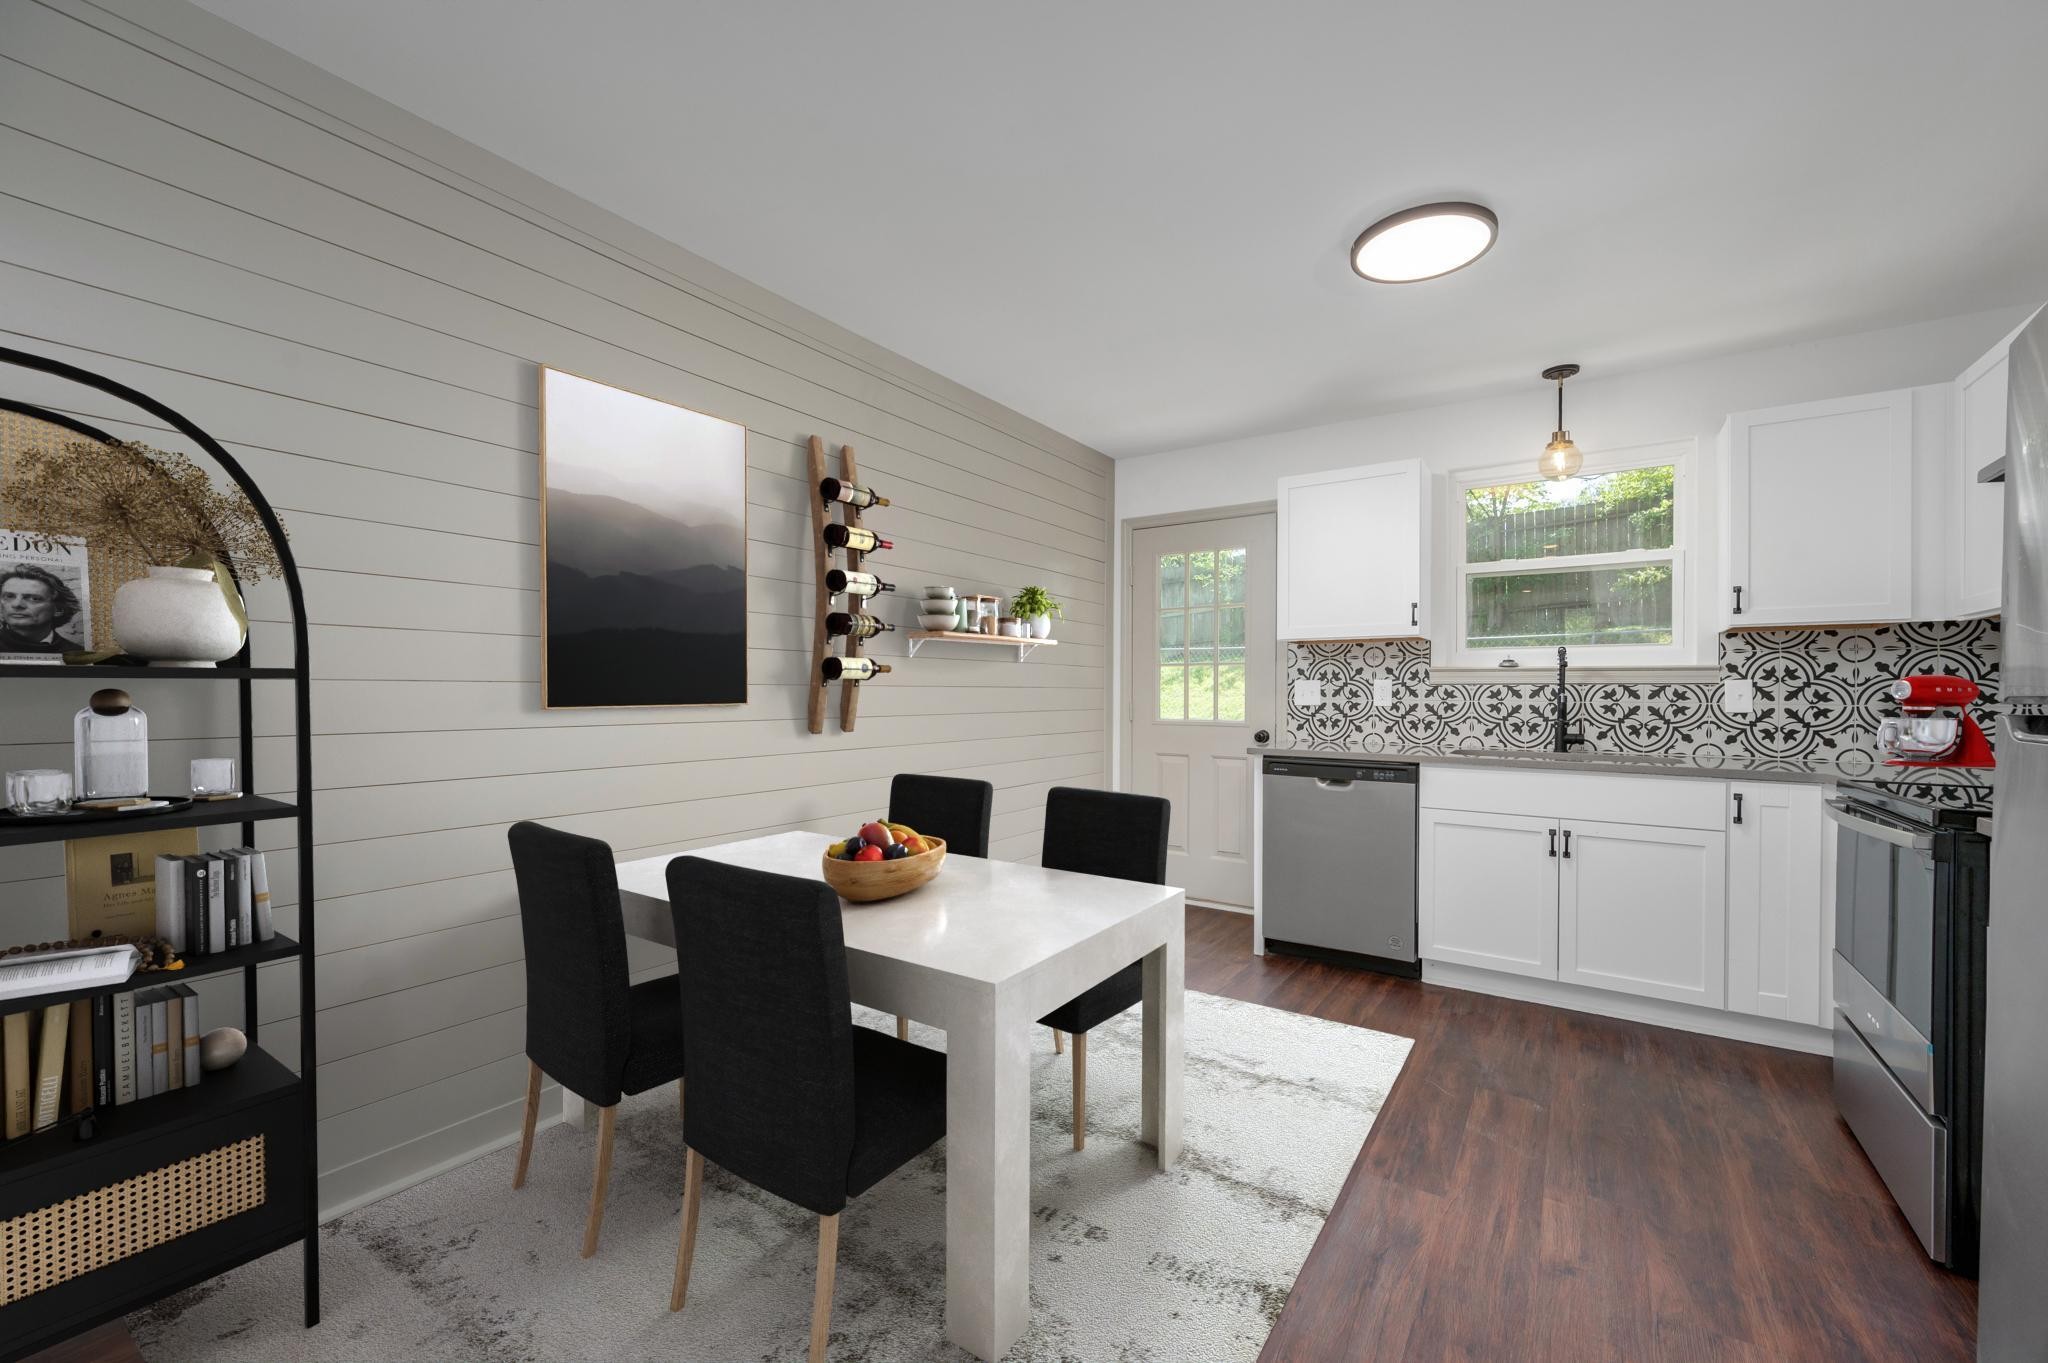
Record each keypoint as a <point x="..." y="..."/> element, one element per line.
<point x="176" y="617"/>
<point x="1041" y="628"/>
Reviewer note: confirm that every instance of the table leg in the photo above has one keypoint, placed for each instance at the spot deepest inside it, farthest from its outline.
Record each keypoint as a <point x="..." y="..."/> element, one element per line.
<point x="988" y="1179"/>
<point x="1164" y="994"/>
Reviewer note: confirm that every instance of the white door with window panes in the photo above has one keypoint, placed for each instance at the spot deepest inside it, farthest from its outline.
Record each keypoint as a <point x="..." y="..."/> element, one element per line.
<point x="1595" y="564"/>
<point x="1202" y="691"/>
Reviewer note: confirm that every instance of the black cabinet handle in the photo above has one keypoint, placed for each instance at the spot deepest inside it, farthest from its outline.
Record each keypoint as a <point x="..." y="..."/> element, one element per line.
<point x="1738" y="600"/>
<point x="1415" y="612"/>
<point x="1738" y="807"/>
<point x="1553" y="842"/>
<point x="1567" y="844"/>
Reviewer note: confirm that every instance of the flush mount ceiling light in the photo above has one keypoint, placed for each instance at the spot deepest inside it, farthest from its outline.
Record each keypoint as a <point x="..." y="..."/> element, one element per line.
<point x="1424" y="243"/>
<point x="1561" y="458"/>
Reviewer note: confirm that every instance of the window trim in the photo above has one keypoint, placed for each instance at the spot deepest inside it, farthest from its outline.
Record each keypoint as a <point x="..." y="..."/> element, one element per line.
<point x="1682" y="651"/>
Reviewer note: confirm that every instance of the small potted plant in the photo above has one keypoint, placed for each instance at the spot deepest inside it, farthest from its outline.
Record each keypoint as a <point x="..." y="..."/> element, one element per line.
<point x="1036" y="608"/>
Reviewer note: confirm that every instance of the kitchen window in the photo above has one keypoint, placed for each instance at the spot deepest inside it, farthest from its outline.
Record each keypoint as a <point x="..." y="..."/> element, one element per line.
<point x="1594" y="563"/>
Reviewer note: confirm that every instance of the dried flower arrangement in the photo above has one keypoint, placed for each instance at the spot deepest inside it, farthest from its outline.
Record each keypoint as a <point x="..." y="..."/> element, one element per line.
<point x="156" y="502"/>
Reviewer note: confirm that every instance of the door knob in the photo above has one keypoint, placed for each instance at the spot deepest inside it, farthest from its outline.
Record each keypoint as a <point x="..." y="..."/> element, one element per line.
<point x="1262" y="736"/>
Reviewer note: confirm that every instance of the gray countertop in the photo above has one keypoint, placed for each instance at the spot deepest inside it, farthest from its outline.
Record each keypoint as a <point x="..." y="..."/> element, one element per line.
<point x="1720" y="767"/>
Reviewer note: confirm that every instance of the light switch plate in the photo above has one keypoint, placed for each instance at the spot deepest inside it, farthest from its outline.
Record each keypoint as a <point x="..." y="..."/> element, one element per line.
<point x="1738" y="695"/>
<point x="1308" y="691"/>
<point x="1382" y="690"/>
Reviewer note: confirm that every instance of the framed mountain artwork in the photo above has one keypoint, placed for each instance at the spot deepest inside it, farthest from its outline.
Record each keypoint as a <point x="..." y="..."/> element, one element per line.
<point x="643" y="541"/>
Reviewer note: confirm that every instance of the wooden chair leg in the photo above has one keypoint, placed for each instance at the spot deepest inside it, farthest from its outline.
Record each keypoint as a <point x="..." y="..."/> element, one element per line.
<point x="607" y="1117"/>
<point x="902" y="1028"/>
<point x="526" y="1123"/>
<point x="1080" y="1090"/>
<point x="821" y="1299"/>
<point x="686" y="1245"/>
<point x="1059" y="1042"/>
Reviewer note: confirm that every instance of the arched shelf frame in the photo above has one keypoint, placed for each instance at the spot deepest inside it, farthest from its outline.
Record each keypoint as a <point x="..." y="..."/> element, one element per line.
<point x="298" y="673"/>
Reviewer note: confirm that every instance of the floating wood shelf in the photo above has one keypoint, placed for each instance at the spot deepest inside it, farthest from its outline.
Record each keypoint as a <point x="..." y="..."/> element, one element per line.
<point x="1023" y="646"/>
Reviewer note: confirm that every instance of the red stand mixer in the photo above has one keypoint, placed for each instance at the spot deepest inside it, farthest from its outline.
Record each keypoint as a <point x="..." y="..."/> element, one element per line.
<point x="1923" y="737"/>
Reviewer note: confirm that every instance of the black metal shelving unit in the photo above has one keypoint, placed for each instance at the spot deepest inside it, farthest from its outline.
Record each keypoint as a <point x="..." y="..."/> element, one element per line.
<point x="261" y="1097"/>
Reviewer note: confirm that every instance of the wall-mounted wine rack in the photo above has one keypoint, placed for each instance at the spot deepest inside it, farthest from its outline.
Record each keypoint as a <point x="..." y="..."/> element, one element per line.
<point x="821" y="638"/>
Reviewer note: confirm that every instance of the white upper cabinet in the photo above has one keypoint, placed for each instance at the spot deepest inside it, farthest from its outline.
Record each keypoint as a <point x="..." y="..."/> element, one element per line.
<point x="1354" y="553"/>
<point x="1819" y="513"/>
<point x="1976" y="511"/>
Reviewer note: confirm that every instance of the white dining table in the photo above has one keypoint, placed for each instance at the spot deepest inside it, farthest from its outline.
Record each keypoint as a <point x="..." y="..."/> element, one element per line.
<point x="983" y="951"/>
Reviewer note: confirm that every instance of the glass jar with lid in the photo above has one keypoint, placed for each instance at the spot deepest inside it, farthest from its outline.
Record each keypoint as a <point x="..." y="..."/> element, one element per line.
<point x="110" y="746"/>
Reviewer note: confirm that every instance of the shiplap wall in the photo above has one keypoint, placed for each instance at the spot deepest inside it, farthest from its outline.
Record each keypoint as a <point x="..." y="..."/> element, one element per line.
<point x="355" y="302"/>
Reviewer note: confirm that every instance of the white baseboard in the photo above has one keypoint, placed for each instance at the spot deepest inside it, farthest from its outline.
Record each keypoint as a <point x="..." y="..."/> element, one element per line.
<point x="378" y="1176"/>
<point x="1244" y="909"/>
<point x="1685" y="1017"/>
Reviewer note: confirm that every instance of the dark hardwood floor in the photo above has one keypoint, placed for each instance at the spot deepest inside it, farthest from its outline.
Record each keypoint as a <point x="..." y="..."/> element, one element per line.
<point x="1552" y="1187"/>
<point x="1547" y="1185"/>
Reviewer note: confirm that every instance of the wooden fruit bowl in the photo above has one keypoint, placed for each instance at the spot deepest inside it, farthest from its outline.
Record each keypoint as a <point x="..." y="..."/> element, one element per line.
<point x="867" y="882"/>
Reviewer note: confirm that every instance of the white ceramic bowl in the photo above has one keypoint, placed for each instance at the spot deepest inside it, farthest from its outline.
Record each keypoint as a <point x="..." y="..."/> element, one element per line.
<point x="946" y="621"/>
<point x="939" y="594"/>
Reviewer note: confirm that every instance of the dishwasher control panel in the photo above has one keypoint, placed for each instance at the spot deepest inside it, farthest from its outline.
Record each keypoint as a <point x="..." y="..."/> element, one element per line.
<point x="1339" y="771"/>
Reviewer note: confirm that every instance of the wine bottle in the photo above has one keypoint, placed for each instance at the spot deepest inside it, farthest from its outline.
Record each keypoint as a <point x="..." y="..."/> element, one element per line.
<point x="853" y="494"/>
<point x="839" y="582"/>
<point x="859" y="626"/>
<point x="856" y="538"/>
<point x="852" y="669"/>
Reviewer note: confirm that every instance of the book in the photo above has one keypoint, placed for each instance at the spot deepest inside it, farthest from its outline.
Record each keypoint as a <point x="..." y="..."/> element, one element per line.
<point x="259" y="896"/>
<point x="51" y="972"/>
<point x="159" y="1042"/>
<point x="174" y="1038"/>
<point x="124" y="1047"/>
<point x="216" y="904"/>
<point x="78" y="1082"/>
<point x="145" y="1073"/>
<point x="15" y="1073"/>
<point x="110" y="882"/>
<point x="193" y="1073"/>
<point x="50" y="1064"/>
<point x="103" y="1051"/>
<point x="244" y="903"/>
<point x="197" y="870"/>
<point x="231" y="873"/>
<point x="67" y="626"/>
<point x="170" y="899"/>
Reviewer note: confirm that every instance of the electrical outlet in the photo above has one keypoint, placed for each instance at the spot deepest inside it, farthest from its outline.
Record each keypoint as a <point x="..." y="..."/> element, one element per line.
<point x="1308" y="691"/>
<point x="1738" y="695"/>
<point x="1382" y="690"/>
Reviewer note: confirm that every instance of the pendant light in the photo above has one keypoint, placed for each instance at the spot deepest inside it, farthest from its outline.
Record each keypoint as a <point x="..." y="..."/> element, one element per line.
<point x="1561" y="458"/>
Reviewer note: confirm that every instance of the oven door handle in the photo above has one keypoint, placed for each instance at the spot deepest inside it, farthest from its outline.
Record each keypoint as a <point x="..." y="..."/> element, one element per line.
<point x="1840" y="811"/>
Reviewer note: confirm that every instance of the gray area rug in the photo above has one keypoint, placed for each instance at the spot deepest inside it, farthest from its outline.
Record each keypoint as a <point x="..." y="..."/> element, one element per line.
<point x="1128" y="1262"/>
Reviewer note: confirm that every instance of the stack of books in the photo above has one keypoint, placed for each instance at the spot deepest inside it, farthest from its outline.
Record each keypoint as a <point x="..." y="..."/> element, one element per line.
<point x="70" y="1058"/>
<point x="215" y="901"/>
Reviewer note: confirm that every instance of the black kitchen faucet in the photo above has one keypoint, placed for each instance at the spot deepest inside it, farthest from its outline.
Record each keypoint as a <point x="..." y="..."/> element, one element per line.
<point x="1564" y="738"/>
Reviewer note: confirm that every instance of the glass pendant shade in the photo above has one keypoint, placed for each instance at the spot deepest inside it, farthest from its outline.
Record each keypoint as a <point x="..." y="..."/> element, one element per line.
<point x="1561" y="458"/>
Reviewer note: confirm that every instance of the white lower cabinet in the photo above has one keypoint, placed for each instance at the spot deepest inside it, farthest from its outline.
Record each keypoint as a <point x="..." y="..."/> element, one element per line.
<point x="1776" y="854"/>
<point x="1644" y="910"/>
<point x="1486" y="888"/>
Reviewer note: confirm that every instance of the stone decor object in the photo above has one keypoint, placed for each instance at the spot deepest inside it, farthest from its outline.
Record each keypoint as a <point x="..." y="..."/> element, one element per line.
<point x="220" y="1048"/>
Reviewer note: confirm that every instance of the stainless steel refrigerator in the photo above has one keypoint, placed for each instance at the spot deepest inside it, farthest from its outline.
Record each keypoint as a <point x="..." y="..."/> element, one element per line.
<point x="2013" y="1271"/>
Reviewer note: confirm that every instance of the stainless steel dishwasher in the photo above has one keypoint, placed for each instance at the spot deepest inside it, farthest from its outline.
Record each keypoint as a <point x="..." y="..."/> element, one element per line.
<point x="1338" y="876"/>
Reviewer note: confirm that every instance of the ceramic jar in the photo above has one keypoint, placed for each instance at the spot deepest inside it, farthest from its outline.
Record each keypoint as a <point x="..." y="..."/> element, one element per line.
<point x="176" y="617"/>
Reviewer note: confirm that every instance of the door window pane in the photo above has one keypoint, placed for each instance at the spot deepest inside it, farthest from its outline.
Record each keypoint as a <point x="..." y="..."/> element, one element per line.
<point x="1173" y="637"/>
<point x="1230" y="691"/>
<point x="1230" y="575"/>
<point x="1588" y="606"/>
<point x="1202" y="693"/>
<point x="1202" y="579"/>
<point x="1230" y="634"/>
<point x="1173" y="580"/>
<point x="1173" y="698"/>
<point x="1201" y="636"/>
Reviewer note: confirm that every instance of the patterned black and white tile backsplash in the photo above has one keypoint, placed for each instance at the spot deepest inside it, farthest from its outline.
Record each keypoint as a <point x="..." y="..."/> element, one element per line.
<point x="1819" y="696"/>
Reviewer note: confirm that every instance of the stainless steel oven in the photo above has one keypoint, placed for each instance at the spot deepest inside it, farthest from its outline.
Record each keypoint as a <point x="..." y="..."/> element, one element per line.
<point x="1911" y="892"/>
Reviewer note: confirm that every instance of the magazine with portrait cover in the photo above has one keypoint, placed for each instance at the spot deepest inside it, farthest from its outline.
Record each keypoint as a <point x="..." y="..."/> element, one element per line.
<point x="45" y="604"/>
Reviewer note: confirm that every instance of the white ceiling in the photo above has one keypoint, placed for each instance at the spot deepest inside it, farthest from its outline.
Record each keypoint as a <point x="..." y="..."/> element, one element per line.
<point x="1129" y="218"/>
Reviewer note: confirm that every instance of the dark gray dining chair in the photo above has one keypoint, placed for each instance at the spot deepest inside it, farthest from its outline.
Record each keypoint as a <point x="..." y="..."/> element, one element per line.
<point x="588" y="1026"/>
<point x="953" y="808"/>
<point x="1101" y="833"/>
<point x="785" y="1091"/>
